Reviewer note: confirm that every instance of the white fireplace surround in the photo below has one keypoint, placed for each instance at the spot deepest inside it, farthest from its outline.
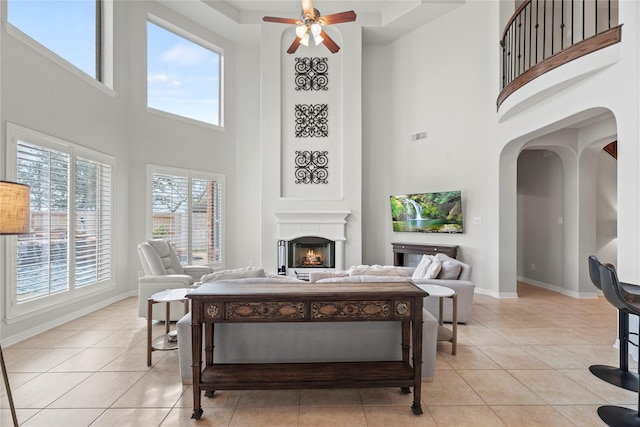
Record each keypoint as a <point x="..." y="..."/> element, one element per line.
<point x="330" y="225"/>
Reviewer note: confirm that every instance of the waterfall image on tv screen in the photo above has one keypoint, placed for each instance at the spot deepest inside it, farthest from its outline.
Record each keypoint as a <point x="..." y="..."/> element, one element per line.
<point x="427" y="212"/>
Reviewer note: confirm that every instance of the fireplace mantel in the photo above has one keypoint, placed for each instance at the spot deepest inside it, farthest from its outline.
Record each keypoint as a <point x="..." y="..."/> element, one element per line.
<point x="331" y="225"/>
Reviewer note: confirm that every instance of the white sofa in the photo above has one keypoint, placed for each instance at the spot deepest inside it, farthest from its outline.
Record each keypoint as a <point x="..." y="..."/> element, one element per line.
<point x="462" y="285"/>
<point x="459" y="281"/>
<point x="307" y="342"/>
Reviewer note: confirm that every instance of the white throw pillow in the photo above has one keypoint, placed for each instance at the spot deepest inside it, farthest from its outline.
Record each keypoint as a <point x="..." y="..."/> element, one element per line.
<point x="450" y="267"/>
<point x="433" y="270"/>
<point x="428" y="268"/>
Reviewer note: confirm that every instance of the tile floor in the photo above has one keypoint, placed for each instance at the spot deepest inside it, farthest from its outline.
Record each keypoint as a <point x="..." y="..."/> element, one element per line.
<point x="521" y="362"/>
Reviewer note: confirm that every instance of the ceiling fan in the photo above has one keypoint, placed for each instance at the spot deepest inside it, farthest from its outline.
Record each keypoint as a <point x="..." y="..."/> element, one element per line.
<point x="310" y="25"/>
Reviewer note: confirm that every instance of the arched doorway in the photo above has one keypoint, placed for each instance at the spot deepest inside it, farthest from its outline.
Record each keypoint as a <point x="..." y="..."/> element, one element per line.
<point x="571" y="223"/>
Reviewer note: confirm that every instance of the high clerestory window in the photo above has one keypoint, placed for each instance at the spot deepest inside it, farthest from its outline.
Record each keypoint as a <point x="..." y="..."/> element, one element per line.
<point x="72" y="29"/>
<point x="69" y="249"/>
<point x="184" y="74"/>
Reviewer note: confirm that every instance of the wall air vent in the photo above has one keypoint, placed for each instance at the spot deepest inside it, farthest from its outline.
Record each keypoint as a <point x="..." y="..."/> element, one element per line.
<point x="418" y="136"/>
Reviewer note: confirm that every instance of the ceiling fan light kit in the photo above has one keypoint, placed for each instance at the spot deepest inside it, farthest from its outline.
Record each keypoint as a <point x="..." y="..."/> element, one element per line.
<point x="310" y="25"/>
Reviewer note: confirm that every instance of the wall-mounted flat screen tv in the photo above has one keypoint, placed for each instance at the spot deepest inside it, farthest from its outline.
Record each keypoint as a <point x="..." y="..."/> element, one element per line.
<point x="427" y="212"/>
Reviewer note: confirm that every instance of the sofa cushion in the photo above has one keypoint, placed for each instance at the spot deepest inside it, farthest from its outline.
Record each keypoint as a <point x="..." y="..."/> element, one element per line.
<point x="377" y="270"/>
<point x="428" y="268"/>
<point x="239" y="273"/>
<point x="265" y="280"/>
<point x="280" y="278"/>
<point x="450" y="269"/>
<point x="315" y="276"/>
<point x="365" y="279"/>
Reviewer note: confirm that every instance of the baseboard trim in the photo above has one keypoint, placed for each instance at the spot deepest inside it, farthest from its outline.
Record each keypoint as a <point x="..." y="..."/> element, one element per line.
<point x="558" y="289"/>
<point x="32" y="332"/>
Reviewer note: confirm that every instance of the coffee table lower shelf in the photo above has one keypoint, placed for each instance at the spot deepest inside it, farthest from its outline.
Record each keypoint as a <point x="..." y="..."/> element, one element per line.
<point x="271" y="376"/>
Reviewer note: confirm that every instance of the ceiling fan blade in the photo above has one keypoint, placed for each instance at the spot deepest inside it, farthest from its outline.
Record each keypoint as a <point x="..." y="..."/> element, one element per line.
<point x="307" y="7"/>
<point x="281" y="20"/>
<point x="338" y="18"/>
<point x="328" y="42"/>
<point x="294" y="46"/>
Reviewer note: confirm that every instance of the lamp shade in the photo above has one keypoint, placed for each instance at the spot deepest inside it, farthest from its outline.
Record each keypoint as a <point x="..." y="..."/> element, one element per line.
<point x="14" y="208"/>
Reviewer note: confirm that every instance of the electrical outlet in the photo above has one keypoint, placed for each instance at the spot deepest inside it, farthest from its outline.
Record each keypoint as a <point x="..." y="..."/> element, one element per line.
<point x="477" y="220"/>
<point x="250" y="262"/>
<point x="533" y="267"/>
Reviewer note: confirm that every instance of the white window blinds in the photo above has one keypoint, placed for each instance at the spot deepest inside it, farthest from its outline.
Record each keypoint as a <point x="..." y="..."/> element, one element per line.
<point x="187" y="211"/>
<point x="69" y="246"/>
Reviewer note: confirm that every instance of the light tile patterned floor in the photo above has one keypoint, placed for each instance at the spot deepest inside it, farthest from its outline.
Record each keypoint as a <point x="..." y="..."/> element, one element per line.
<point x="521" y="362"/>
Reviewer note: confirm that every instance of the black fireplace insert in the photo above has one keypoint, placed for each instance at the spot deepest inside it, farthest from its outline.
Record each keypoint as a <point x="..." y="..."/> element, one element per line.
<point x="311" y="252"/>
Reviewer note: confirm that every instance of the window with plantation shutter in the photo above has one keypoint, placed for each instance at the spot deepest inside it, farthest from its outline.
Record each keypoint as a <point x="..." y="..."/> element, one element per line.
<point x="92" y="222"/>
<point x="69" y="248"/>
<point x="186" y="210"/>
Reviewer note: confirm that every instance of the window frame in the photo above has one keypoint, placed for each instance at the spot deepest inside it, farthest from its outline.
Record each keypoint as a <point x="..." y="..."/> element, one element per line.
<point x="104" y="46"/>
<point x="189" y="174"/>
<point x="181" y="32"/>
<point x="16" y="311"/>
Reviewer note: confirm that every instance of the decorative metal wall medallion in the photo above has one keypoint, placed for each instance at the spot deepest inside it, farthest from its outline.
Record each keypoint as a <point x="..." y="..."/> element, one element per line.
<point x="312" y="167"/>
<point x="312" y="120"/>
<point x="312" y="73"/>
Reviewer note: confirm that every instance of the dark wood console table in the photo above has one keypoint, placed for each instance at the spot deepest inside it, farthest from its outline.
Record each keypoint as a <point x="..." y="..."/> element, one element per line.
<point x="226" y="302"/>
<point x="402" y="249"/>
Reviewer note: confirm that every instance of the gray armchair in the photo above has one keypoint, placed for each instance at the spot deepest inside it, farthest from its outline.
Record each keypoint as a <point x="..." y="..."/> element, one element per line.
<point x="162" y="270"/>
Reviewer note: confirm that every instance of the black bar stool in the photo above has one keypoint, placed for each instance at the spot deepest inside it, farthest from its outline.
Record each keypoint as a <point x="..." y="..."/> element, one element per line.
<point x="617" y="416"/>
<point x="621" y="376"/>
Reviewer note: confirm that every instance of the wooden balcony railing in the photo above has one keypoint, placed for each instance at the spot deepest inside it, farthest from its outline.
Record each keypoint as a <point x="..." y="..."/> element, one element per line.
<point x="544" y="34"/>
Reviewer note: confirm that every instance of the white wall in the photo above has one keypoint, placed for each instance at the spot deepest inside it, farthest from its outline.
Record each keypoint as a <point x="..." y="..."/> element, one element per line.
<point x="471" y="148"/>
<point x="345" y="165"/>
<point x="540" y="205"/>
<point x="247" y="212"/>
<point x="155" y="139"/>
<point x="607" y="208"/>
<point x="602" y="81"/>
<point x="442" y="79"/>
<point x="38" y="93"/>
<point x="428" y="81"/>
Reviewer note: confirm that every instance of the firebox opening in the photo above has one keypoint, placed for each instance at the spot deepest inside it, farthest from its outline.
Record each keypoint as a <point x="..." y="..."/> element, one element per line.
<point x="311" y="252"/>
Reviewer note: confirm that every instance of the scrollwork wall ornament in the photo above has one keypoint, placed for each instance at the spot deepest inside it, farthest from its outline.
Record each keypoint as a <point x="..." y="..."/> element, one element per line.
<point x="312" y="120"/>
<point x="312" y="74"/>
<point x="312" y="167"/>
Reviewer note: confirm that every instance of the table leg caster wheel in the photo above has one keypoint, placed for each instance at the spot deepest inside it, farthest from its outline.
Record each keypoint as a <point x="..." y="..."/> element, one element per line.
<point x="209" y="393"/>
<point x="197" y="413"/>
<point x="405" y="390"/>
<point x="417" y="409"/>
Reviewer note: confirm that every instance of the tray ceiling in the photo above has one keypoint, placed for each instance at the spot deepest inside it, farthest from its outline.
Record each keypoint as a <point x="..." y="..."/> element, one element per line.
<point x="383" y="21"/>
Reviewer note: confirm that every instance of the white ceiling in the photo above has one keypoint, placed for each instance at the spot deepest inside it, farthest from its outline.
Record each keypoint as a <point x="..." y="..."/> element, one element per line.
<point x="382" y="20"/>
